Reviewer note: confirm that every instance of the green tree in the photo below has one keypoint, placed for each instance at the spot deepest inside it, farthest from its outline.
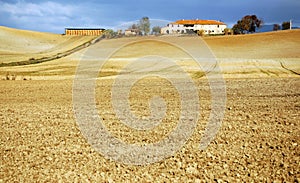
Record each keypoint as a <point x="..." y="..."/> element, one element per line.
<point x="276" y="27"/>
<point x="156" y="30"/>
<point x="134" y="26"/>
<point x="285" y="25"/>
<point x="237" y="28"/>
<point x="109" y="33"/>
<point x="247" y="24"/>
<point x="144" y="25"/>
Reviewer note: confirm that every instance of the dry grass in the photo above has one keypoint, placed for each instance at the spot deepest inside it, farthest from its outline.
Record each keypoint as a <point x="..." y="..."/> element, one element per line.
<point x="19" y="45"/>
<point x="239" y="56"/>
<point x="271" y="45"/>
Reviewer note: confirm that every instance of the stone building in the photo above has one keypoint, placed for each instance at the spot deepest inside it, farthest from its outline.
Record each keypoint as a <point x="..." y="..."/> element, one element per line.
<point x="84" y="31"/>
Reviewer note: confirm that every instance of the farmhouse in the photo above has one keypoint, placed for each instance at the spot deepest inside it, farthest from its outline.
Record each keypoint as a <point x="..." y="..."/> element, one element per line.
<point x="84" y="31"/>
<point x="186" y="26"/>
<point x="131" y="32"/>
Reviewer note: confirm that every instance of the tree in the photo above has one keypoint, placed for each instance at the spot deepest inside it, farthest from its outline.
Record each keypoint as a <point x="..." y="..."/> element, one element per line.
<point x="134" y="26"/>
<point x="109" y="33"/>
<point x="156" y="30"/>
<point x="285" y="25"/>
<point x="276" y="27"/>
<point x="237" y="28"/>
<point x="144" y="25"/>
<point x="247" y="24"/>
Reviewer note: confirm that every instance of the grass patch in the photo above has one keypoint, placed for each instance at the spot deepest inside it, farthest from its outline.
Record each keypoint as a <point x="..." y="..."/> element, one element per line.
<point x="198" y="74"/>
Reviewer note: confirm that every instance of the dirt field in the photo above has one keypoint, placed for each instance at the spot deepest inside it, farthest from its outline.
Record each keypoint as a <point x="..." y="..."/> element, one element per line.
<point x="257" y="142"/>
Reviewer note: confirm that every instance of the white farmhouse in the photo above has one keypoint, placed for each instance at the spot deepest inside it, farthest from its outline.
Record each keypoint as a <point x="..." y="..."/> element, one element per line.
<point x="131" y="32"/>
<point x="186" y="26"/>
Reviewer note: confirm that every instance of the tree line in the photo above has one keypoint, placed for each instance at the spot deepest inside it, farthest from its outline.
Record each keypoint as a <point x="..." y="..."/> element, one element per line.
<point x="249" y="24"/>
<point x="284" y="26"/>
<point x="141" y="28"/>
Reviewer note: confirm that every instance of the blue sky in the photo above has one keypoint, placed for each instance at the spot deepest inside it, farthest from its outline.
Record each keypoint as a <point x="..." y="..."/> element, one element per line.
<point x="55" y="15"/>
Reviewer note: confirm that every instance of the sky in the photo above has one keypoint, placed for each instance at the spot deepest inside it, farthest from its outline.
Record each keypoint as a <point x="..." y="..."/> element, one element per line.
<point x="54" y="15"/>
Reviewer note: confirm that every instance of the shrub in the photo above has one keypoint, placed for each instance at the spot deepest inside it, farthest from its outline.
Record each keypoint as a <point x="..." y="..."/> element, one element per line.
<point x="7" y="77"/>
<point x="227" y="31"/>
<point x="285" y="25"/>
<point x="200" y="32"/>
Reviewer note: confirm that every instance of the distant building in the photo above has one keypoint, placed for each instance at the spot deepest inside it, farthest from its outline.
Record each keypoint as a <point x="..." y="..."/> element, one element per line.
<point x="84" y="31"/>
<point x="132" y="32"/>
<point x="186" y="26"/>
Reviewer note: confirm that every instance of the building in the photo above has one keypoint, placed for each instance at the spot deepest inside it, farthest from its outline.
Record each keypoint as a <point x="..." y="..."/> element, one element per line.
<point x="132" y="32"/>
<point x="187" y="26"/>
<point x="84" y="31"/>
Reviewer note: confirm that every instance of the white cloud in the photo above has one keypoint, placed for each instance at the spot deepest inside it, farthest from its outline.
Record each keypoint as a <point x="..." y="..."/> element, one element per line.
<point x="42" y="16"/>
<point x="41" y="9"/>
<point x="53" y="16"/>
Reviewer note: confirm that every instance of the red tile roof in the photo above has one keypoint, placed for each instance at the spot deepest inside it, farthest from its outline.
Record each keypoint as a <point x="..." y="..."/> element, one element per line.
<point x="199" y="22"/>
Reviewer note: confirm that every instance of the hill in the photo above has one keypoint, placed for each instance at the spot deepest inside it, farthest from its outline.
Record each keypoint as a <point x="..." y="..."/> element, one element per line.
<point x="20" y="45"/>
<point x="280" y="44"/>
<point x="258" y="55"/>
<point x="253" y="55"/>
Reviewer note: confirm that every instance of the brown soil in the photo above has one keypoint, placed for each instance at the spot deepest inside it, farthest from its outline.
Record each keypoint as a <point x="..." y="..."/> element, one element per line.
<point x="258" y="141"/>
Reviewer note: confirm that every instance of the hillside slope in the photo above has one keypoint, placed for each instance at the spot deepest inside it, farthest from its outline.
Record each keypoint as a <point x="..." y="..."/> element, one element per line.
<point x="281" y="44"/>
<point x="262" y="54"/>
<point x="19" y="45"/>
<point x="272" y="54"/>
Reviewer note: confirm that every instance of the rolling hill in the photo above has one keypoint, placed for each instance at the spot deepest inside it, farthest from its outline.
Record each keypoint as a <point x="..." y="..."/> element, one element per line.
<point x="254" y="55"/>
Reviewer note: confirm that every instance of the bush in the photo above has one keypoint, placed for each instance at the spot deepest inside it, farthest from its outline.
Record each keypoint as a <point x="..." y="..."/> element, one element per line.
<point x="9" y="76"/>
<point x="200" y="32"/>
<point x="285" y="25"/>
<point x="276" y="27"/>
<point x="227" y="31"/>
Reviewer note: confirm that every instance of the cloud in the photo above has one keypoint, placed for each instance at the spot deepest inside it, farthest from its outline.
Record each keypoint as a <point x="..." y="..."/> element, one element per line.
<point x="52" y="16"/>
<point x="42" y="9"/>
<point x="45" y="16"/>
